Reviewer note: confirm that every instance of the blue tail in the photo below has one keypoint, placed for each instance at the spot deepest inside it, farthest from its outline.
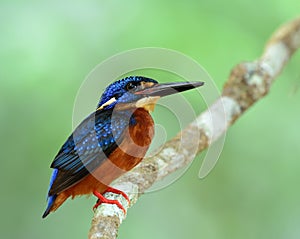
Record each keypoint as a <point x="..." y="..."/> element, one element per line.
<point x="50" y="199"/>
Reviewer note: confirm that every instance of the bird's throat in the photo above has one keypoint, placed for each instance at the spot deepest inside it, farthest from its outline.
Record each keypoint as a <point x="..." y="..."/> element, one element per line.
<point x="147" y="103"/>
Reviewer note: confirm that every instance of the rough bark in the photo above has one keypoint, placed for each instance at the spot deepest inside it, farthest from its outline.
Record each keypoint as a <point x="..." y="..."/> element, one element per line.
<point x="247" y="83"/>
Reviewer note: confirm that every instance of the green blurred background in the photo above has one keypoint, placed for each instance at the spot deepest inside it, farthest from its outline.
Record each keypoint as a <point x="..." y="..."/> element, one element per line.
<point x="47" y="49"/>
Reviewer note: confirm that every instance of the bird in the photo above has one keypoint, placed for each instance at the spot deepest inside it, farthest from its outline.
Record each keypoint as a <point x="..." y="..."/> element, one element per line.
<point x="109" y="142"/>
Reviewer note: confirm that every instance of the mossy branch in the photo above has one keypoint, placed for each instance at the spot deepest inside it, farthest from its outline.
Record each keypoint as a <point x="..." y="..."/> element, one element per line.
<point x="248" y="82"/>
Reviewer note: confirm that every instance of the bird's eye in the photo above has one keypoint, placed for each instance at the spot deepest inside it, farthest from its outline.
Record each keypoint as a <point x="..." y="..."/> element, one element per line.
<point x="131" y="86"/>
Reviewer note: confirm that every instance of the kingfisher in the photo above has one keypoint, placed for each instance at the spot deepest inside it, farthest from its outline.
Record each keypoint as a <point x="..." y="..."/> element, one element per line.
<point x="109" y="142"/>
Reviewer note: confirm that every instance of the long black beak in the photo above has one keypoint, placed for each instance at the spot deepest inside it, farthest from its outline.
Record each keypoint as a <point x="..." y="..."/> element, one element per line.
<point x="169" y="88"/>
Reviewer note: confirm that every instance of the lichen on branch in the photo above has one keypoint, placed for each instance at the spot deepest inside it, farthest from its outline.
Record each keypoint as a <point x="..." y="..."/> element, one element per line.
<point x="248" y="82"/>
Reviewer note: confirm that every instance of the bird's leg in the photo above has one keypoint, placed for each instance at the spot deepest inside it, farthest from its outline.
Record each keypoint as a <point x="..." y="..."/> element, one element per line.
<point x="102" y="199"/>
<point x="116" y="191"/>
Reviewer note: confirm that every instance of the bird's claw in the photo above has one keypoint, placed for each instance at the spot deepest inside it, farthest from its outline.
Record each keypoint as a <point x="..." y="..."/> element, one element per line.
<point x="116" y="191"/>
<point x="102" y="199"/>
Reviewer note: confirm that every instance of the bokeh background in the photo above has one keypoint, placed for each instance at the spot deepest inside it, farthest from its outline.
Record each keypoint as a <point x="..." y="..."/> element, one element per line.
<point x="48" y="47"/>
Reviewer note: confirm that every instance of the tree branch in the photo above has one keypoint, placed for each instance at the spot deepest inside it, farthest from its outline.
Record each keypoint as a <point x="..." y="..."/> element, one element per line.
<point x="247" y="83"/>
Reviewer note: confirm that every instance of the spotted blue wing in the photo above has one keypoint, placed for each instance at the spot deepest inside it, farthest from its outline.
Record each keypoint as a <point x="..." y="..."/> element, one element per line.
<point x="87" y="148"/>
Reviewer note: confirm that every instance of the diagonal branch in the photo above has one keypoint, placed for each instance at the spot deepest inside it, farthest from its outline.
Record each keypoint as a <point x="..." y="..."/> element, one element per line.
<point x="248" y="82"/>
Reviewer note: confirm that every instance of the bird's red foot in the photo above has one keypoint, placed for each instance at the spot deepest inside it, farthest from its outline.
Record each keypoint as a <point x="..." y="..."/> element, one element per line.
<point x="102" y="199"/>
<point x="116" y="191"/>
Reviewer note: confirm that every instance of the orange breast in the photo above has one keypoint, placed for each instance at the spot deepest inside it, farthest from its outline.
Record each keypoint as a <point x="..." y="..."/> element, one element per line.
<point x="128" y="154"/>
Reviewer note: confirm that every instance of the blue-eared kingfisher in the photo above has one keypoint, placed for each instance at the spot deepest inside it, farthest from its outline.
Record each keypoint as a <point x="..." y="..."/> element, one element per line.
<point x="109" y="142"/>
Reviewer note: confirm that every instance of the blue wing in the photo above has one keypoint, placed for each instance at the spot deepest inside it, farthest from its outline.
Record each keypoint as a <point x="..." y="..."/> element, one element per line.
<point x="88" y="146"/>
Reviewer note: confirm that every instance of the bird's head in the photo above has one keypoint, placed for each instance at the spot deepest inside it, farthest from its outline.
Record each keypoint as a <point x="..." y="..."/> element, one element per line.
<point x="140" y="92"/>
